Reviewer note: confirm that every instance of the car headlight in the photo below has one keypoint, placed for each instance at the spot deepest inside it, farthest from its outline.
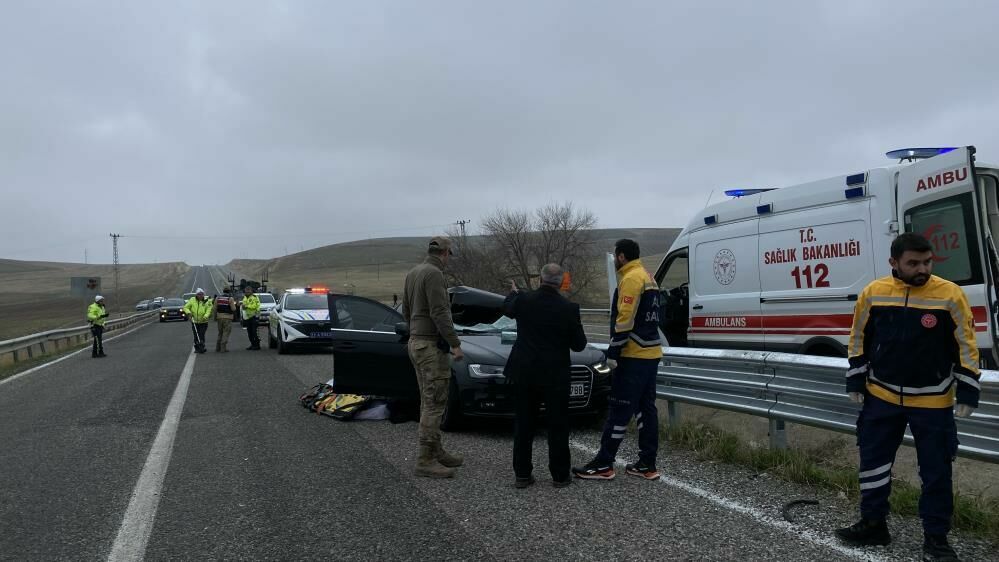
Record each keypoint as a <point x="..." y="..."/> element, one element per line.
<point x="602" y="368"/>
<point x="485" y="371"/>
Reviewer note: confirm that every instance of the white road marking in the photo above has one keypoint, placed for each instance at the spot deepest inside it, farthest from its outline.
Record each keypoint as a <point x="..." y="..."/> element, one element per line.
<point x="13" y="378"/>
<point x="137" y="525"/>
<point x="756" y="514"/>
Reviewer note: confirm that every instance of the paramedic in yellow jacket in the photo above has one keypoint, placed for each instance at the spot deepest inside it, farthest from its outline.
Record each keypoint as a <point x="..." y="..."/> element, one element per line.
<point x="634" y="352"/>
<point x="199" y="310"/>
<point x="96" y="316"/>
<point x="912" y="351"/>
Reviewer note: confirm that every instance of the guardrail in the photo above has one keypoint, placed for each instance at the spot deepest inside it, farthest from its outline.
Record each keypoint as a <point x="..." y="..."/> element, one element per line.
<point x="44" y="343"/>
<point x="801" y="389"/>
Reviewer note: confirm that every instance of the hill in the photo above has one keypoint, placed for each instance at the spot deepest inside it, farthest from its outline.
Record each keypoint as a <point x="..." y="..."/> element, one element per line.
<point x="36" y="296"/>
<point x="375" y="268"/>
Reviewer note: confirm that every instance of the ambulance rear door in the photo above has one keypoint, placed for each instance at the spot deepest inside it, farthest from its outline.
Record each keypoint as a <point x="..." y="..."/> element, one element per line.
<point x="944" y="199"/>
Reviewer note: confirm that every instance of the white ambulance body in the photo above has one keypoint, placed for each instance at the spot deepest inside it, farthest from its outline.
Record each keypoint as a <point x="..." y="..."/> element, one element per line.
<point x="780" y="270"/>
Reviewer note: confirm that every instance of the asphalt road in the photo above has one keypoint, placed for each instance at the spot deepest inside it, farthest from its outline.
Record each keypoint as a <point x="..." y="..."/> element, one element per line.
<point x="249" y="474"/>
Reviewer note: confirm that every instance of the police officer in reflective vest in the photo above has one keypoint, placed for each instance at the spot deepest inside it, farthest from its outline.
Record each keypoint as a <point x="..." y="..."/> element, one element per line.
<point x="199" y="310"/>
<point x="96" y="315"/>
<point x="249" y="309"/>
<point x="225" y="311"/>
<point x="912" y="351"/>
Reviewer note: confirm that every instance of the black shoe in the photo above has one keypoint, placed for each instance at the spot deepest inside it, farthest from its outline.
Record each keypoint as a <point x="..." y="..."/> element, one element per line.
<point x="562" y="483"/>
<point x="594" y="471"/>
<point x="250" y="348"/>
<point x="935" y="548"/>
<point x="255" y="348"/>
<point x="642" y="470"/>
<point x="866" y="533"/>
<point x="94" y="356"/>
<point x="521" y="483"/>
<point x="102" y="354"/>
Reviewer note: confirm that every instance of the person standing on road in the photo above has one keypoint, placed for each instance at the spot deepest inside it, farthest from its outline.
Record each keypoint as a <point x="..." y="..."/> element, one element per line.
<point x="912" y="350"/>
<point x="199" y="310"/>
<point x="548" y="326"/>
<point x="248" y="310"/>
<point x="225" y="311"/>
<point x="96" y="315"/>
<point x="427" y="309"/>
<point x="634" y="353"/>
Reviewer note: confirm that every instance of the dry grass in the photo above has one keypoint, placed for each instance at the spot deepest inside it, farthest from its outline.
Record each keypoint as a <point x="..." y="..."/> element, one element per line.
<point x="36" y="294"/>
<point x="376" y="268"/>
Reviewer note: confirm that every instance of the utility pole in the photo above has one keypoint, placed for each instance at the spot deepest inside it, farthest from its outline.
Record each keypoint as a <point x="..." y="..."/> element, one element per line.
<point x="117" y="300"/>
<point x="461" y="224"/>
<point x="85" y="256"/>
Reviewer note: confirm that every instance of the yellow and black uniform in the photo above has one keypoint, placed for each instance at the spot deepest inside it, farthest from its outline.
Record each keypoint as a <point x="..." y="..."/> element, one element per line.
<point x="635" y="315"/>
<point x="912" y="346"/>
<point x="96" y="315"/>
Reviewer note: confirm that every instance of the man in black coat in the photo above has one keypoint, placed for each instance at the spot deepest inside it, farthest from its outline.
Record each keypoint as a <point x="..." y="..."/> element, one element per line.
<point x="548" y="326"/>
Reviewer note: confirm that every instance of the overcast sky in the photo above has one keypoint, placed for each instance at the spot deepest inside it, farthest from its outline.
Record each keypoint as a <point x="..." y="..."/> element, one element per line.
<point x="204" y="131"/>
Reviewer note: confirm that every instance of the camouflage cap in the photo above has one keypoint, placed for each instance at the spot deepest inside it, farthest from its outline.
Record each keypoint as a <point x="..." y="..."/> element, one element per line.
<point x="440" y="243"/>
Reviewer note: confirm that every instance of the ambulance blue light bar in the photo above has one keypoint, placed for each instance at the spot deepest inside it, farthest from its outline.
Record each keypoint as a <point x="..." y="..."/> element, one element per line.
<point x="744" y="192"/>
<point x="918" y="153"/>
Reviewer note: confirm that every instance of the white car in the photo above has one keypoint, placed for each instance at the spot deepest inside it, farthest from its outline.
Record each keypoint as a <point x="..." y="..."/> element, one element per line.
<point x="301" y="319"/>
<point x="267" y="305"/>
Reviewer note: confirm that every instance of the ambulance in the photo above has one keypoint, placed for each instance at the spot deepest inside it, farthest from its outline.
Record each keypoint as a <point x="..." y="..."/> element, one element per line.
<point x="781" y="269"/>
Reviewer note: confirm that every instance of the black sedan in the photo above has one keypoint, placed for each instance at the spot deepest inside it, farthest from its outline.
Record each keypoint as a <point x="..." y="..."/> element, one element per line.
<point x="172" y="309"/>
<point x="370" y="357"/>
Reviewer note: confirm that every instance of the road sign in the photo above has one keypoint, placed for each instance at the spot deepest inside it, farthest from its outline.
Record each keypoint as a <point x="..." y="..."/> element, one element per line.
<point x="84" y="286"/>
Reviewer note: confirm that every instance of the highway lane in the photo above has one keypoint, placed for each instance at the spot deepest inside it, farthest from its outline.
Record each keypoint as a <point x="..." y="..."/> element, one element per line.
<point x="252" y="475"/>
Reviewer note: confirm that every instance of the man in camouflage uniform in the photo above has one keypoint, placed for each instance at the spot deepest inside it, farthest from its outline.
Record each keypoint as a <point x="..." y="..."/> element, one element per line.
<point x="432" y="339"/>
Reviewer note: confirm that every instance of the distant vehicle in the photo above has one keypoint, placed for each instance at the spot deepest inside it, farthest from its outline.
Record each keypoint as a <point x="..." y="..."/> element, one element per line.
<point x="157" y="302"/>
<point x="301" y="319"/>
<point x="188" y="296"/>
<point x="143" y="305"/>
<point x="173" y="309"/>
<point x="369" y="352"/>
<point x="267" y="304"/>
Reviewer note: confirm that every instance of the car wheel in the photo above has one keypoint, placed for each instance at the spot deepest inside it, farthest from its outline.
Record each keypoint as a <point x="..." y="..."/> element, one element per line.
<point x="452" y="418"/>
<point x="282" y="346"/>
<point x="271" y="342"/>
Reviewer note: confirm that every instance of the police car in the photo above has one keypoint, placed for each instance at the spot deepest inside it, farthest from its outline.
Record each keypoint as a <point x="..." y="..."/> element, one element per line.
<point x="301" y="319"/>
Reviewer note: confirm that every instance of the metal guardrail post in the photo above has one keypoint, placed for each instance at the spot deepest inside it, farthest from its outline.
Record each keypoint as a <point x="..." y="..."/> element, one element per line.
<point x="673" y="413"/>
<point x="778" y="434"/>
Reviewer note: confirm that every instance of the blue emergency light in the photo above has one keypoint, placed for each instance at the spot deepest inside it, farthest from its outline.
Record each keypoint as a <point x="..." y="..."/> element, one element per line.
<point x="911" y="154"/>
<point x="745" y="192"/>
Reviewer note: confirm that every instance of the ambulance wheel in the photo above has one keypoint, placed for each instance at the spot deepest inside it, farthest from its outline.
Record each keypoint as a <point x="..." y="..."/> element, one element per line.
<point x="452" y="418"/>
<point x="271" y="342"/>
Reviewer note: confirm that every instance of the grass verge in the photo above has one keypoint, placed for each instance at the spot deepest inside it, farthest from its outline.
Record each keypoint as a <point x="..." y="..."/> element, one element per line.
<point x="25" y="364"/>
<point x="813" y="467"/>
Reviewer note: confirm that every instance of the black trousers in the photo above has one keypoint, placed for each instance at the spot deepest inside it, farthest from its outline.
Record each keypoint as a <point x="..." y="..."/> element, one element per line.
<point x="98" y="333"/>
<point x="251" y="331"/>
<point x="200" y="330"/>
<point x="556" y="399"/>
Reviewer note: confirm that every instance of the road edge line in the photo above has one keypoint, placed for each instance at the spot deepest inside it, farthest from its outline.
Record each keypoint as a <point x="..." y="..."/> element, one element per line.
<point x="16" y="376"/>
<point x="137" y="523"/>
<point x="755" y="513"/>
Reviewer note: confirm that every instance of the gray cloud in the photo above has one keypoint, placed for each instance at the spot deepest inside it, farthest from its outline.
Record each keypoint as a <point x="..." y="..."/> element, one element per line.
<point x="232" y="129"/>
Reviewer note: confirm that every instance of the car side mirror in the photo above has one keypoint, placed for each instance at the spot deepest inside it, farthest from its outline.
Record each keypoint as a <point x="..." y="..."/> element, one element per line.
<point x="402" y="329"/>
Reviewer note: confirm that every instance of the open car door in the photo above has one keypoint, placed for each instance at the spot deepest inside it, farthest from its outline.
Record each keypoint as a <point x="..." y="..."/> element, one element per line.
<point x="369" y="358"/>
<point x="945" y="199"/>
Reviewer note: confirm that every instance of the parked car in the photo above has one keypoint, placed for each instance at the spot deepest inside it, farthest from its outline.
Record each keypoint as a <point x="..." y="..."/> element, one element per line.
<point x="188" y="296"/>
<point x="173" y="309"/>
<point x="157" y="302"/>
<point x="267" y="304"/>
<point x="143" y="305"/>
<point x="370" y="357"/>
<point x="301" y="319"/>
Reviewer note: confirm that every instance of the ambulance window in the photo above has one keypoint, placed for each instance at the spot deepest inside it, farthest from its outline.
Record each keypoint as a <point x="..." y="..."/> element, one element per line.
<point x="949" y="225"/>
<point x="675" y="297"/>
<point x="674" y="272"/>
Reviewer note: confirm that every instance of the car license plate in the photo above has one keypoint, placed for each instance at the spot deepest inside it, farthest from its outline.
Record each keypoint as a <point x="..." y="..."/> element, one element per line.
<point x="577" y="390"/>
<point x="322" y="334"/>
